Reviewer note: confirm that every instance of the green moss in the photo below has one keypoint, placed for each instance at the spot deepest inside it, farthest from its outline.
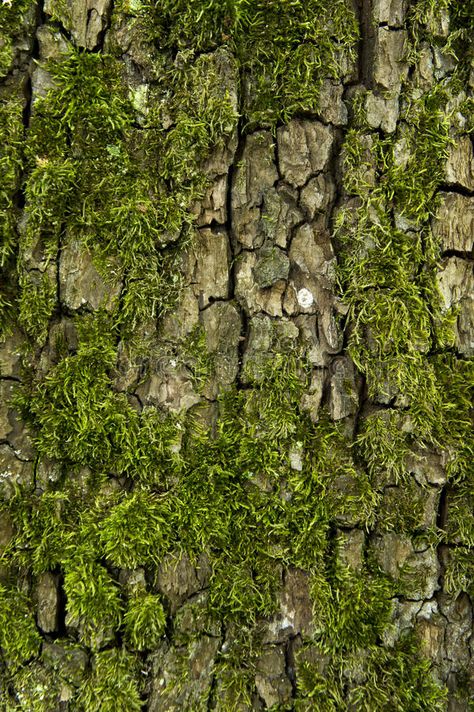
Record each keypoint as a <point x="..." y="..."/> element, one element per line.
<point x="76" y="415"/>
<point x="243" y="583"/>
<point x="12" y="27"/>
<point x="380" y="680"/>
<point x="19" y="638"/>
<point x="36" y="688"/>
<point x="125" y="192"/>
<point x="36" y="304"/>
<point x="460" y="524"/>
<point x="235" y="668"/>
<point x="412" y="186"/>
<point x="42" y="534"/>
<point x="384" y="446"/>
<point x="350" y="608"/>
<point x="388" y="275"/>
<point x="136" y="530"/>
<point x="49" y="191"/>
<point x="203" y="113"/>
<point x="402" y="510"/>
<point x="144" y="621"/>
<point x="459" y="573"/>
<point x="11" y="162"/>
<point x="112" y="685"/>
<point x="93" y="601"/>
<point x="196" y="357"/>
<point x="453" y="424"/>
<point x="285" y="49"/>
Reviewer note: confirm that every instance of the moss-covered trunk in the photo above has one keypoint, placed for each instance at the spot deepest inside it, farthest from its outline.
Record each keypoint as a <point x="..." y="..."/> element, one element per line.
<point x="237" y="323"/>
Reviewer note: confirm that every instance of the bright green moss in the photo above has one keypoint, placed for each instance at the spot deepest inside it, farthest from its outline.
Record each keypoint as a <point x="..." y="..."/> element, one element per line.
<point x="76" y="415"/>
<point x="398" y="679"/>
<point x="203" y="113"/>
<point x="19" y="638"/>
<point x="79" y="419"/>
<point x="243" y="583"/>
<point x="286" y="49"/>
<point x="455" y="379"/>
<point x="380" y="680"/>
<point x="144" y="621"/>
<point x="49" y="191"/>
<point x="412" y="185"/>
<point x="136" y="530"/>
<point x="93" y="601"/>
<point x="235" y="668"/>
<point x="151" y="289"/>
<point x="112" y="685"/>
<point x="350" y="608"/>
<point x="125" y="192"/>
<point x="402" y="510"/>
<point x="460" y="524"/>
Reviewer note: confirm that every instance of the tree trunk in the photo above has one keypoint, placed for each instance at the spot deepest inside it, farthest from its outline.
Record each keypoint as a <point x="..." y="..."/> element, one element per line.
<point x="236" y="369"/>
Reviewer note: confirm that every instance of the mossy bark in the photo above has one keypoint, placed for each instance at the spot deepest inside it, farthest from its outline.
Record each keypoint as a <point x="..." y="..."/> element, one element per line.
<point x="237" y="329"/>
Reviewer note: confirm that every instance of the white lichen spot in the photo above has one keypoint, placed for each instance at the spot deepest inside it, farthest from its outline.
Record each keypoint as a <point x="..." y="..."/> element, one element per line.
<point x="305" y="298"/>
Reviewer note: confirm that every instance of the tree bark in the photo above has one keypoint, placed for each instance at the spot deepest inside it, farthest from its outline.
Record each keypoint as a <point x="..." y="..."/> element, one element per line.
<point x="236" y="369"/>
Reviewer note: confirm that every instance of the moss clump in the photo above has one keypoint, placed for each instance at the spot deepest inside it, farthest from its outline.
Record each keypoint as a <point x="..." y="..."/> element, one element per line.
<point x="350" y="608"/>
<point x="93" y="601"/>
<point x="236" y="666"/>
<point x="36" y="689"/>
<point x="112" y="685"/>
<point x="36" y="304"/>
<point x="460" y="525"/>
<point x="453" y="424"/>
<point x="388" y="274"/>
<point x="76" y="415"/>
<point x="285" y="49"/>
<point x="19" y="637"/>
<point x="378" y="680"/>
<point x="411" y="185"/>
<point x="12" y="27"/>
<point x="125" y="192"/>
<point x="42" y="529"/>
<point x="79" y="419"/>
<point x="384" y="446"/>
<point x="11" y="163"/>
<point x="144" y="621"/>
<point x="136" y="530"/>
<point x="459" y="574"/>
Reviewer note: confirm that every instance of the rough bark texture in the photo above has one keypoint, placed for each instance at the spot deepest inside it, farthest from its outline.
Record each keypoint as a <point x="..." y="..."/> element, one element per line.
<point x="237" y="323"/>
